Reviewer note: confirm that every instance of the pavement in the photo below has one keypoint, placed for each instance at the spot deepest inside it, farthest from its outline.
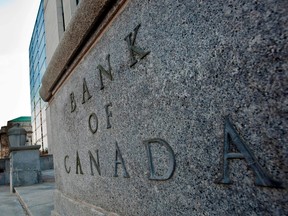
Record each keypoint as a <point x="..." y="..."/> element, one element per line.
<point x="36" y="200"/>
<point x="9" y="203"/>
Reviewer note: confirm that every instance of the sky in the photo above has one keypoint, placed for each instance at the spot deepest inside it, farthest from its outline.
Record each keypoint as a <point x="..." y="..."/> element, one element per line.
<point x="17" y="19"/>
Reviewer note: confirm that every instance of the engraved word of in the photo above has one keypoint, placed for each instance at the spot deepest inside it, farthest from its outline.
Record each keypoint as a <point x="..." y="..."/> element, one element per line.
<point x="231" y="137"/>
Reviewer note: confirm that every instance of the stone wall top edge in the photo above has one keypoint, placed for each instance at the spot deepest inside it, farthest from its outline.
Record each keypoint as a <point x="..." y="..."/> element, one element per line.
<point x="47" y="155"/>
<point x="88" y="16"/>
<point x="23" y="148"/>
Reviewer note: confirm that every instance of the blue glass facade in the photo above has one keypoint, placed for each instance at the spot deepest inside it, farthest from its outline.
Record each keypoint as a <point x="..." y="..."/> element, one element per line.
<point x="37" y="64"/>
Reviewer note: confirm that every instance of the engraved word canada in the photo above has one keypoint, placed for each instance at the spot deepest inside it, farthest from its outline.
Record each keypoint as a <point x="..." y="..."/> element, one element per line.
<point x="231" y="136"/>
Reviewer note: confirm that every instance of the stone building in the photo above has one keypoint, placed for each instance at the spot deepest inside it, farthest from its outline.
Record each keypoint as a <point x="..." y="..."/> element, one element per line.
<point x="4" y="143"/>
<point x="168" y="107"/>
<point x="24" y="122"/>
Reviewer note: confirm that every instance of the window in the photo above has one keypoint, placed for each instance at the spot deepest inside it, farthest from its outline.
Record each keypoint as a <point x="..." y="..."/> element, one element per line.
<point x="63" y="18"/>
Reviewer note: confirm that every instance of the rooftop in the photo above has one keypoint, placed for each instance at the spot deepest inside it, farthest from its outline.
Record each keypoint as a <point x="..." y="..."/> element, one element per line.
<point x="22" y="119"/>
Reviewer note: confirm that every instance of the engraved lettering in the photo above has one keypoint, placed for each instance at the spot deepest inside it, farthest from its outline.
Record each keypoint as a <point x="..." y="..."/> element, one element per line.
<point x="78" y="164"/>
<point x="96" y="164"/>
<point x="108" y="73"/>
<point x="171" y="166"/>
<point x="73" y="102"/>
<point x="93" y="129"/>
<point x="120" y="161"/>
<point x="85" y="90"/>
<point x="65" y="164"/>
<point x="232" y="137"/>
<point x="130" y="39"/>
<point x="108" y="114"/>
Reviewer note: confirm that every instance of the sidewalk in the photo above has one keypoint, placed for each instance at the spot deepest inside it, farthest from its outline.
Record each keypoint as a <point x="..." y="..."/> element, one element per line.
<point x="9" y="204"/>
<point x="36" y="199"/>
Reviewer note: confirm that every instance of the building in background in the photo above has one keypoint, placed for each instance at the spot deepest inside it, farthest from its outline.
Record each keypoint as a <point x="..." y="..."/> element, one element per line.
<point x="24" y="122"/>
<point x="52" y="19"/>
<point x="37" y="64"/>
<point x="57" y="15"/>
<point x="4" y="143"/>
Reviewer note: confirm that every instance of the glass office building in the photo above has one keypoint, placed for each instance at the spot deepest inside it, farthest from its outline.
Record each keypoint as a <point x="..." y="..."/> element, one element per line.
<point x="37" y="64"/>
<point x="52" y="18"/>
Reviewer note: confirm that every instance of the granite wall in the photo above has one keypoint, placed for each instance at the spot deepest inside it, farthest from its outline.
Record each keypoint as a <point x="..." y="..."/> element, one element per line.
<point x="170" y="108"/>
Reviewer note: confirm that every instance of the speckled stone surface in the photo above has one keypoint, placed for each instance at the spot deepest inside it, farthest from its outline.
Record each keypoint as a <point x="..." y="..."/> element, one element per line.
<point x="207" y="60"/>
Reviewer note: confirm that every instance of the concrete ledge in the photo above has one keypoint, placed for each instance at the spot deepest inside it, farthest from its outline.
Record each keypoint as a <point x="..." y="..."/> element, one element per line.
<point x="87" y="19"/>
<point x="23" y="204"/>
<point x="36" y="199"/>
<point x="23" y="148"/>
<point x="64" y="205"/>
